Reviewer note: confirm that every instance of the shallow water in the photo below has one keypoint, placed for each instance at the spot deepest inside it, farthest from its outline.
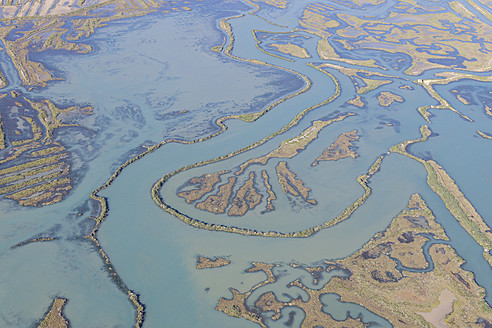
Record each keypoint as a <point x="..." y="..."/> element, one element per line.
<point x="140" y="80"/>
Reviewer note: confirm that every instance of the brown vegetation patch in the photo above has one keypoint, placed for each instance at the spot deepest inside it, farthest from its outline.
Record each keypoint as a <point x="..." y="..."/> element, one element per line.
<point x="423" y="29"/>
<point x="362" y="79"/>
<point x="206" y="184"/>
<point x="386" y="98"/>
<point x="36" y="170"/>
<point x="291" y="147"/>
<point x="291" y="49"/>
<point x="218" y="203"/>
<point x="271" y="194"/>
<point x="357" y="101"/>
<point x="54" y="318"/>
<point x="247" y="197"/>
<point x="236" y="307"/>
<point x="290" y="184"/>
<point x="207" y="263"/>
<point x="376" y="284"/>
<point x="340" y="149"/>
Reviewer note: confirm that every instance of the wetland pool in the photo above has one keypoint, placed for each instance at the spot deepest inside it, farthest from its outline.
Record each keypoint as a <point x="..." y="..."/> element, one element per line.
<point x="147" y="86"/>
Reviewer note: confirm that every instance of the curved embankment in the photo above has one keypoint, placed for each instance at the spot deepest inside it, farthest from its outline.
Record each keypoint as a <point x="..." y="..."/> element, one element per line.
<point x="363" y="181"/>
<point x="454" y="199"/>
<point x="103" y="203"/>
<point x="34" y="240"/>
<point x="139" y="307"/>
<point x="228" y="51"/>
<point x="259" y="42"/>
<point x="446" y="78"/>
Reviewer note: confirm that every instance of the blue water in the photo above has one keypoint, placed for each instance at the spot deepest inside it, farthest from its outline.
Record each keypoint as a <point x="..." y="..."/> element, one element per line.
<point x="139" y="80"/>
<point x="342" y="310"/>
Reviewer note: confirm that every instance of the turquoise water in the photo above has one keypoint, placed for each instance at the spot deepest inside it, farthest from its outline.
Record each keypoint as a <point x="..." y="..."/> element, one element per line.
<point x="139" y="79"/>
<point x="136" y="99"/>
<point x="341" y="311"/>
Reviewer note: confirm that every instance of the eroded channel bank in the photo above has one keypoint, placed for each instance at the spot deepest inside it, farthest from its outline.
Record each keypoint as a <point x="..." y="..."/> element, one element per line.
<point x="103" y="203"/>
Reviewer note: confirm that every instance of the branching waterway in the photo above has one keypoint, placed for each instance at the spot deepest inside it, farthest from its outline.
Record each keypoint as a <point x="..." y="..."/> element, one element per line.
<point x="246" y="121"/>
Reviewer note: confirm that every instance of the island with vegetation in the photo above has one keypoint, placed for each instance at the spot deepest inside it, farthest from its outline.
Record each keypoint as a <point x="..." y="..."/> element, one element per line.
<point x="454" y="199"/>
<point x="386" y="98"/>
<point x="209" y="263"/>
<point x="393" y="275"/>
<point x="291" y="184"/>
<point x="54" y="318"/>
<point x="343" y="147"/>
<point x="409" y="274"/>
<point x="36" y="170"/>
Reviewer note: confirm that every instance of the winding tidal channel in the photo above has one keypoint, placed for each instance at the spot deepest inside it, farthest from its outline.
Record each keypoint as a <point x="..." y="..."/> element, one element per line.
<point x="122" y="248"/>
